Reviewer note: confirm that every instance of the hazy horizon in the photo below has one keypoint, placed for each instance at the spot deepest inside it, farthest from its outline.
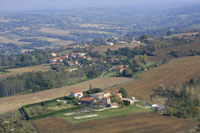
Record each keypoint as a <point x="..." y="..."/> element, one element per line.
<point x="65" y="4"/>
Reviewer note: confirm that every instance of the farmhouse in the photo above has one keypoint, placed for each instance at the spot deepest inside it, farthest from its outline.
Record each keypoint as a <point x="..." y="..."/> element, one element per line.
<point x="119" y="95"/>
<point x="101" y="95"/>
<point x="77" y="94"/>
<point x="107" y="100"/>
<point x="53" y="54"/>
<point x="87" y="100"/>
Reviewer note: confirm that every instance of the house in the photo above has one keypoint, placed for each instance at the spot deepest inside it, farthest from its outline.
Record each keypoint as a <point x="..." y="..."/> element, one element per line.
<point x="114" y="59"/>
<point x="89" y="58"/>
<point x="53" y="60"/>
<point x="109" y="43"/>
<point x="87" y="100"/>
<point x="70" y="63"/>
<point x="58" y="101"/>
<point x="107" y="100"/>
<point x="107" y="93"/>
<point x="99" y="95"/>
<point x="77" y="94"/>
<point x="117" y="68"/>
<point x="114" y="105"/>
<point x="154" y="106"/>
<point x="53" y="54"/>
<point x="54" y="63"/>
<point x="119" y="95"/>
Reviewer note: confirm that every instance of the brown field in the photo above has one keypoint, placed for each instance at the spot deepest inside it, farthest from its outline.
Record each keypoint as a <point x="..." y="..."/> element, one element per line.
<point x="14" y="41"/>
<point x="22" y="70"/>
<point x="14" y="102"/>
<point x="178" y="70"/>
<point x="164" y="53"/>
<point x="134" y="123"/>
<point x="54" y="31"/>
<point x="114" y="47"/>
<point x="54" y="41"/>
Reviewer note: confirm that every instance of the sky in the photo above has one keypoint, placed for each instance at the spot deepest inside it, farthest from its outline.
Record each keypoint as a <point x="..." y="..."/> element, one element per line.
<point x="56" y="4"/>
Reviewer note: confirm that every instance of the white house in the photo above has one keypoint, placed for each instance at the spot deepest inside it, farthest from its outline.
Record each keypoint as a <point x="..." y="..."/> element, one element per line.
<point x="107" y="100"/>
<point x="77" y="94"/>
<point x="107" y="93"/>
<point x="154" y="106"/>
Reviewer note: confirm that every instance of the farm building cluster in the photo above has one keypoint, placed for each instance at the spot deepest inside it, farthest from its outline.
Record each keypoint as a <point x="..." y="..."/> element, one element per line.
<point x="101" y="99"/>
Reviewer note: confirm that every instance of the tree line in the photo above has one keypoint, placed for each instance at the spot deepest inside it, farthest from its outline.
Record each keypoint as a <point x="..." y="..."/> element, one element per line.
<point x="182" y="53"/>
<point x="38" y="81"/>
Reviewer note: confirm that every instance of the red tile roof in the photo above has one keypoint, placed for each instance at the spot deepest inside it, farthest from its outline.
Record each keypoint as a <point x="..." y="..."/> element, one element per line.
<point x="87" y="99"/>
<point x="107" y="91"/>
<point x="77" y="91"/>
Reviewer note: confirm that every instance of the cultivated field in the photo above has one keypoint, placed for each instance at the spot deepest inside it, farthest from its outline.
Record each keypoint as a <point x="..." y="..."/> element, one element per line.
<point x="178" y="70"/>
<point x="15" y="71"/>
<point x="114" y="47"/>
<point x="14" y="102"/>
<point x="134" y="123"/>
<point x="54" y="31"/>
<point x="54" y="41"/>
<point x="164" y="53"/>
<point x="14" y="41"/>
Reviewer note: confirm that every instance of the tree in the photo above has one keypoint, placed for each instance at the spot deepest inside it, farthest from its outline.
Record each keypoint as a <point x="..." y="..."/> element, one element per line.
<point x="127" y="73"/>
<point x="192" y="81"/>
<point x="145" y="59"/>
<point x="123" y="92"/>
<point x="169" y="33"/>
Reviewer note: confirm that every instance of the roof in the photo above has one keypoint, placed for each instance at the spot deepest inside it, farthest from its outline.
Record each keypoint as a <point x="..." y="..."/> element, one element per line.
<point x="87" y="99"/>
<point x="107" y="91"/>
<point x="114" y="104"/>
<point x="77" y="91"/>
<point x="54" y="63"/>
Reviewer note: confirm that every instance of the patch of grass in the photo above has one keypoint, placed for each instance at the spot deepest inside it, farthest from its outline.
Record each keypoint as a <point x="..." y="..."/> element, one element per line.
<point x="14" y="120"/>
<point x="131" y="109"/>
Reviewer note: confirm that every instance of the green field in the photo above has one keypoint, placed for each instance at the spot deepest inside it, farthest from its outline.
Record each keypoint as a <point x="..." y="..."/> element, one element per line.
<point x="131" y="109"/>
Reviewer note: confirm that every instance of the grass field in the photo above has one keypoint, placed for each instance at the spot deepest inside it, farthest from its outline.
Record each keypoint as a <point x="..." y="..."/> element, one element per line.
<point x="178" y="70"/>
<point x="22" y="70"/>
<point x="131" y="109"/>
<point x="114" y="47"/>
<point x="14" y="102"/>
<point x="132" y="123"/>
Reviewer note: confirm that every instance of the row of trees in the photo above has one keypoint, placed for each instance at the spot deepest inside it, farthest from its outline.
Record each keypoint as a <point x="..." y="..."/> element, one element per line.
<point x="37" y="81"/>
<point x="181" y="53"/>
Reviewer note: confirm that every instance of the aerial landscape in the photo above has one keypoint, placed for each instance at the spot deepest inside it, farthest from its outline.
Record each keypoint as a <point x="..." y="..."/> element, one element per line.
<point x="100" y="66"/>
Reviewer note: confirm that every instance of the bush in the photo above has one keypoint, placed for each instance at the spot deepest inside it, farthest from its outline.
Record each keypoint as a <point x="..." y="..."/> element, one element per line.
<point x="123" y="92"/>
<point x="69" y="97"/>
<point x="126" y="102"/>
